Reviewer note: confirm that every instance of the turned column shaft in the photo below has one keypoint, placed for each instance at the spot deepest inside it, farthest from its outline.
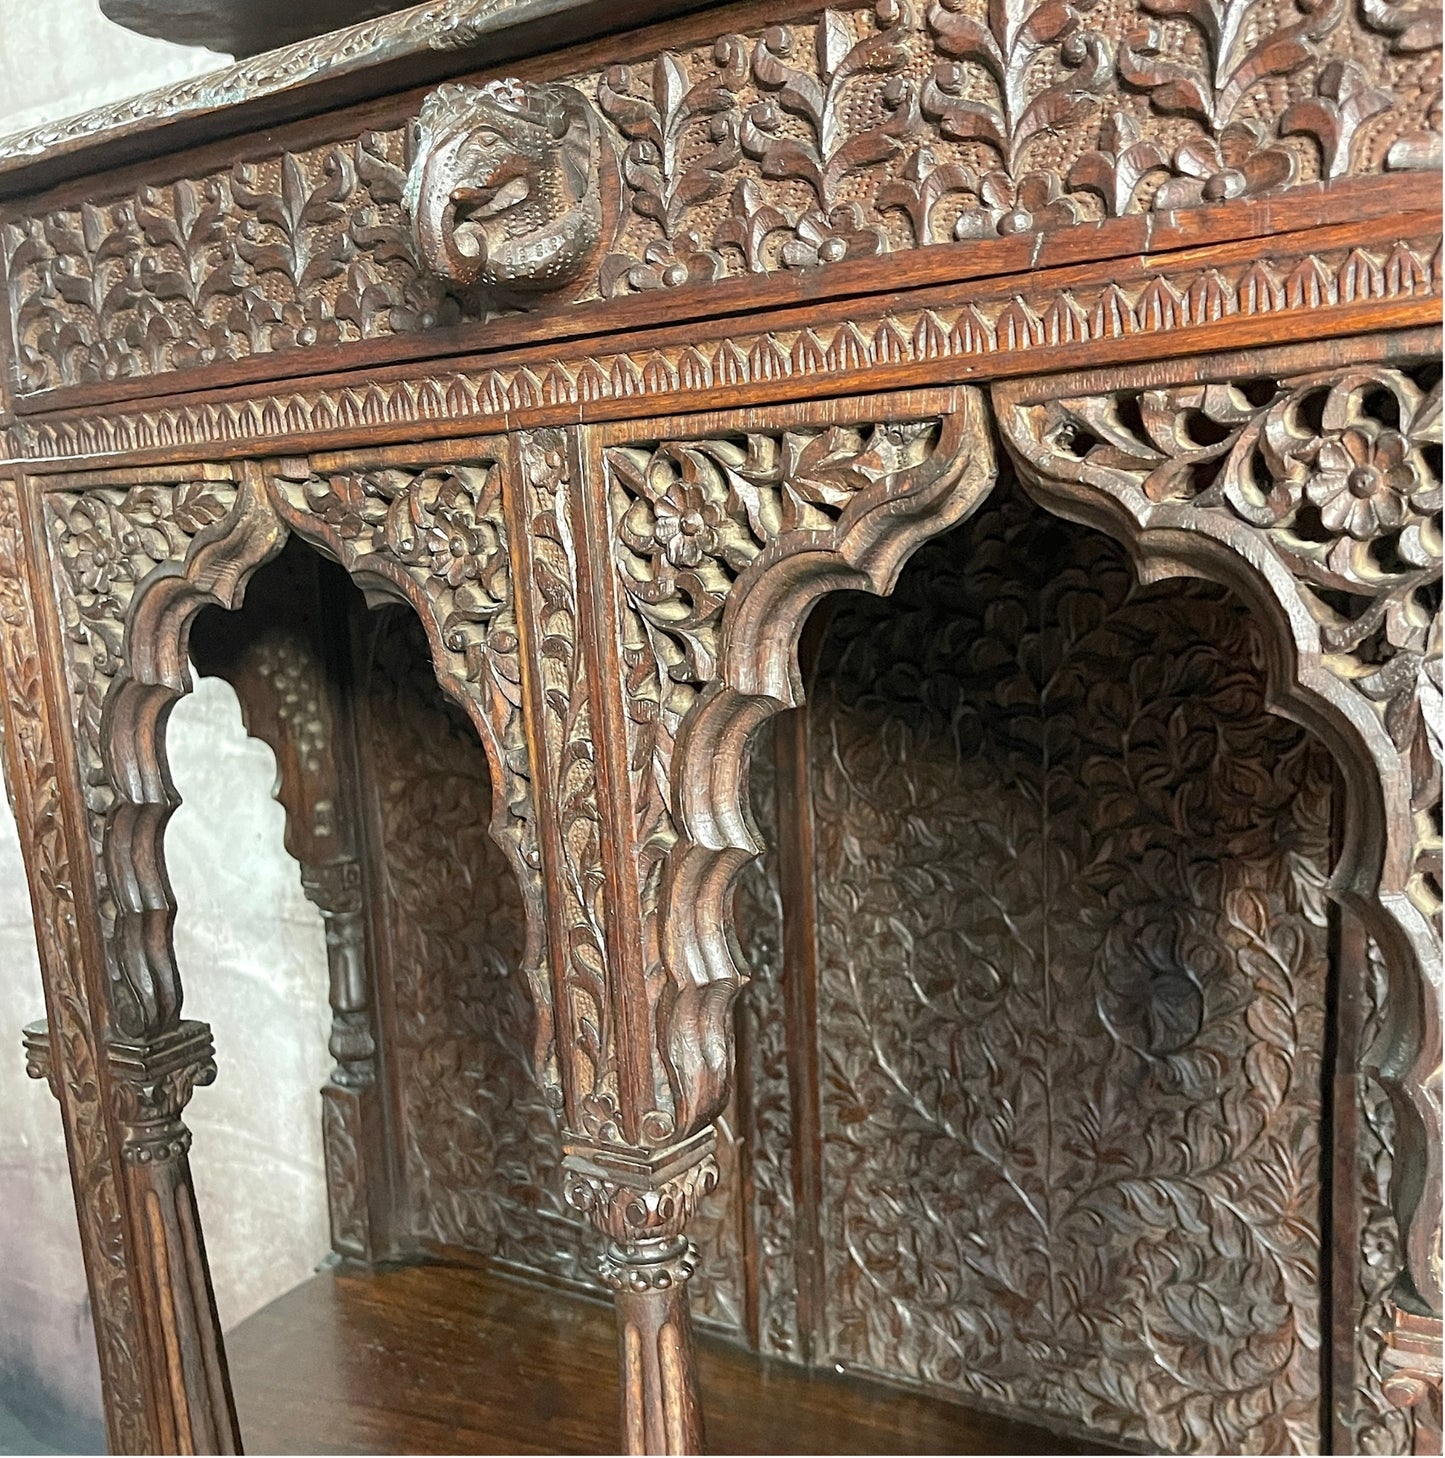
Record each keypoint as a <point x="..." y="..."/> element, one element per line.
<point x="642" y="1201"/>
<point x="353" y="1132"/>
<point x="193" y="1403"/>
<point x="190" y="1386"/>
<point x="661" y="1411"/>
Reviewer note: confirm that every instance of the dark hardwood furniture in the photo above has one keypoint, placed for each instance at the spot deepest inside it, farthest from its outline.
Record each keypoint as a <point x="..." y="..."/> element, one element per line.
<point x="499" y="436"/>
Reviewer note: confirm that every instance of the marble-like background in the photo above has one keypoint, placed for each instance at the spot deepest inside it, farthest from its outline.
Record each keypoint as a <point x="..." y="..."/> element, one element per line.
<point x="249" y="945"/>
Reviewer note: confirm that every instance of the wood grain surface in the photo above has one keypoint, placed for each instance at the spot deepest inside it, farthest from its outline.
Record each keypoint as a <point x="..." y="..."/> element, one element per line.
<point x="450" y="1359"/>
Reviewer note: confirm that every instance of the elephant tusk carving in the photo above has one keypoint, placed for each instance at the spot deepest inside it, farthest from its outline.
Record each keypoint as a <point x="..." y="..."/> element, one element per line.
<point x="512" y="185"/>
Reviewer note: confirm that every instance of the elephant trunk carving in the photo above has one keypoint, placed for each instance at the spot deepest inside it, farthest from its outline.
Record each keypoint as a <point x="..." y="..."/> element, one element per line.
<point x="511" y="186"/>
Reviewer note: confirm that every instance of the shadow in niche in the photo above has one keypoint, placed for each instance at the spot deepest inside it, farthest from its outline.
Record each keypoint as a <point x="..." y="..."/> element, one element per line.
<point x="1064" y="1147"/>
<point x="377" y="766"/>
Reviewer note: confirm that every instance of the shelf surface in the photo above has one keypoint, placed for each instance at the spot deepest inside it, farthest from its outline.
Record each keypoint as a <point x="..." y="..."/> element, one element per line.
<point x="452" y="1359"/>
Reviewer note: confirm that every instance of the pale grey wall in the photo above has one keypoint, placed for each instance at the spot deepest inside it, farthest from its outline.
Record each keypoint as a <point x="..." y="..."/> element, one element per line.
<point x="248" y="944"/>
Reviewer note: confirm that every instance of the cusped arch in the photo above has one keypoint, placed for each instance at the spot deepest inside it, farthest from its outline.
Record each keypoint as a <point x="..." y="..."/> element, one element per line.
<point x="1314" y="494"/>
<point x="935" y="464"/>
<point x="140" y="669"/>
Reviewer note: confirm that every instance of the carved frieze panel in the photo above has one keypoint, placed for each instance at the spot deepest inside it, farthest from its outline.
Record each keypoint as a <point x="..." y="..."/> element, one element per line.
<point x="849" y="134"/>
<point x="935" y="338"/>
<point x="1072" y="961"/>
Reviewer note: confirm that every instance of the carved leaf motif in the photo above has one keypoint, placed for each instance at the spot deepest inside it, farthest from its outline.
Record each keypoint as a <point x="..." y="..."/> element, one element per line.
<point x="791" y="147"/>
<point x="667" y="171"/>
<point x="1026" y="771"/>
<point x="35" y="796"/>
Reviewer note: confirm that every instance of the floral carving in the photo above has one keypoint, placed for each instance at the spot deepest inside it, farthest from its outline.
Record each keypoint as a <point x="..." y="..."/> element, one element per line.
<point x="1072" y="956"/>
<point x="681" y="142"/>
<point x="1324" y="492"/>
<point x="860" y="131"/>
<point x="106" y="542"/>
<point x="72" y="1055"/>
<point x="1017" y="108"/>
<point x="1338" y="473"/>
<point x="438" y="538"/>
<point x="691" y="517"/>
<point x="569" y="764"/>
<point x="1236" y="155"/>
<point x="292" y="252"/>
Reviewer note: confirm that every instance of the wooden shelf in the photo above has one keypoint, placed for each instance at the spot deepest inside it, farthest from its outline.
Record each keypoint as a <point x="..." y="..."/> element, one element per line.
<point x="452" y="1359"/>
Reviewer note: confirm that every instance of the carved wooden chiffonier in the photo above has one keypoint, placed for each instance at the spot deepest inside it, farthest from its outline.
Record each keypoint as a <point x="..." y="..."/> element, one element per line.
<point x="523" y="416"/>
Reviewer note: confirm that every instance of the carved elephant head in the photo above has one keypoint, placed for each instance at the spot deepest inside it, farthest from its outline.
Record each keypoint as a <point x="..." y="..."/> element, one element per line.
<point x="507" y="185"/>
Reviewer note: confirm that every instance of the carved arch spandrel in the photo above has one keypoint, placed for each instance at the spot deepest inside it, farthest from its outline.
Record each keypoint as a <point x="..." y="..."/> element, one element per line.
<point x="1310" y="486"/>
<point x="429" y="528"/>
<point x="727" y="529"/>
<point x="133" y="562"/>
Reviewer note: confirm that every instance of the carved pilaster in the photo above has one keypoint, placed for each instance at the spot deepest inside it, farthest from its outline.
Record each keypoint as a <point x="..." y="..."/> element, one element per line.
<point x="153" y="1082"/>
<point x="642" y="1204"/>
<point x="353" y="1128"/>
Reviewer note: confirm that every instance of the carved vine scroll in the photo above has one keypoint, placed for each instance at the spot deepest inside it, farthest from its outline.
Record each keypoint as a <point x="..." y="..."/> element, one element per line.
<point x="1317" y="497"/>
<point x="436" y="537"/>
<point x="854" y="132"/>
<point x="725" y="537"/>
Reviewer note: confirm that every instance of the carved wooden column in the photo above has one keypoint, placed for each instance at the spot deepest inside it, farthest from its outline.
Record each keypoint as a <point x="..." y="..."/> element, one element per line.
<point x="666" y="568"/>
<point x="1307" y="479"/>
<point x="358" y="1186"/>
<point x="192" y="538"/>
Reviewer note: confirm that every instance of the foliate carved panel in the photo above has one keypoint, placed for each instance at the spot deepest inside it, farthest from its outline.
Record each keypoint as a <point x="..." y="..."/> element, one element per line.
<point x="928" y="341"/>
<point x="568" y="764"/>
<point x="857" y="132"/>
<point x="480" y="1141"/>
<point x="72" y="1057"/>
<point x="1320" y="496"/>
<point x="1072" y="962"/>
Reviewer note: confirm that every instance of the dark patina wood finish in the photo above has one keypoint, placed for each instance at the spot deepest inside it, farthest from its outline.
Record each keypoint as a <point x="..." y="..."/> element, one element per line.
<point x="492" y="394"/>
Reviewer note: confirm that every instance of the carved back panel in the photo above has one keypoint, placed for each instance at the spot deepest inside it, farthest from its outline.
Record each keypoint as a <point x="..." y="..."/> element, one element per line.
<point x="1072" y="970"/>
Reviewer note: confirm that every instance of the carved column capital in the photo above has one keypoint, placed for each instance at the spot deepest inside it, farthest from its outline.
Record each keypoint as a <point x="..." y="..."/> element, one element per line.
<point x="38" y="1060"/>
<point x="154" y="1082"/>
<point x="1413" y="1357"/>
<point x="335" y="887"/>
<point x="642" y="1202"/>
